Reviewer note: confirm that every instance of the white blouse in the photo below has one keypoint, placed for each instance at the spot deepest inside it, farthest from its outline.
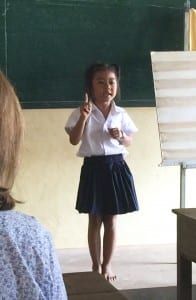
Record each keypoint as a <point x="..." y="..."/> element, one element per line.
<point x="96" y="139"/>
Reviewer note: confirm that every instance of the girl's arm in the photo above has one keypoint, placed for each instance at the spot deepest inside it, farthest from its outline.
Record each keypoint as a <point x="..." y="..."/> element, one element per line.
<point x="77" y="131"/>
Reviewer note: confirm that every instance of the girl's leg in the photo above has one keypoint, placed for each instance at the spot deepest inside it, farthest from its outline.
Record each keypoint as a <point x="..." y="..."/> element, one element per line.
<point x="94" y="241"/>
<point x="109" y="241"/>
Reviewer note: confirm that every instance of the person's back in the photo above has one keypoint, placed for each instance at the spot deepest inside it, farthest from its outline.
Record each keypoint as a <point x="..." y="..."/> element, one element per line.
<point x="28" y="265"/>
<point x="29" y="268"/>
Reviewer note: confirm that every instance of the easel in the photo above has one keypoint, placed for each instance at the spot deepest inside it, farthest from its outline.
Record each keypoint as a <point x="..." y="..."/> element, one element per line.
<point x="186" y="48"/>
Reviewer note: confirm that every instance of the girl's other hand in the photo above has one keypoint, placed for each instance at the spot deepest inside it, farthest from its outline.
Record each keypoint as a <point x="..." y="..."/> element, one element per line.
<point x="116" y="133"/>
<point x="86" y="108"/>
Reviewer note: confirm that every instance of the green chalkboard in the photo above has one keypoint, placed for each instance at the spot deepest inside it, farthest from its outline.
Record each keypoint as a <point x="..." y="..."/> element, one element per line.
<point x="46" y="45"/>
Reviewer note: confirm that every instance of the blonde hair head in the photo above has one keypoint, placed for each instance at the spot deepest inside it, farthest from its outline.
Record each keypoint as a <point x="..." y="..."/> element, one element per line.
<point x="11" y="134"/>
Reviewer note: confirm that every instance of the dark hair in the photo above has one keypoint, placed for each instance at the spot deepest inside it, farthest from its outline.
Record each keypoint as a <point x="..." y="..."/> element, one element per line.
<point x="7" y="202"/>
<point x="97" y="67"/>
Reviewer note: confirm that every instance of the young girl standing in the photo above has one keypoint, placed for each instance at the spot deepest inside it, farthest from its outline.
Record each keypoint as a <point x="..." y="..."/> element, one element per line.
<point x="106" y="186"/>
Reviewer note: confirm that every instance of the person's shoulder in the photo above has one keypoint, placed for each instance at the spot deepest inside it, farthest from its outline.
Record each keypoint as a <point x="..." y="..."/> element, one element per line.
<point x="20" y="215"/>
<point x="29" y="221"/>
<point x="13" y="222"/>
<point x="120" y="109"/>
<point x="14" y="215"/>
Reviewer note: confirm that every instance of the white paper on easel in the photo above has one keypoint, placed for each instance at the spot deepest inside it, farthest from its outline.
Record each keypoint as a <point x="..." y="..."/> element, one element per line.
<point x="174" y="75"/>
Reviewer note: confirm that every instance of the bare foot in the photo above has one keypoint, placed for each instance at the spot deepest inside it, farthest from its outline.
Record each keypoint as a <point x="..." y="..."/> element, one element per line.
<point x="108" y="274"/>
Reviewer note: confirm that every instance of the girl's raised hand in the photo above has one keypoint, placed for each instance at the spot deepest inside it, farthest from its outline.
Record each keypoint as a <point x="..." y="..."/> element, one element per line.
<point x="86" y="108"/>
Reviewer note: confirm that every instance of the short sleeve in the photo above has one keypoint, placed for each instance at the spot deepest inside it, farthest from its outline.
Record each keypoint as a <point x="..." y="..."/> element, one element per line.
<point x="128" y="125"/>
<point x="72" y="120"/>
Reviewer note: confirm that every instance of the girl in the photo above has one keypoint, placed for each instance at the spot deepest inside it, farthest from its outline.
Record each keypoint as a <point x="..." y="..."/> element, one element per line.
<point x="106" y="186"/>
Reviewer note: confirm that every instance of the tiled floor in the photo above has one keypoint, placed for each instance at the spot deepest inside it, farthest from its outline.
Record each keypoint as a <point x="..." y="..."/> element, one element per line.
<point x="144" y="272"/>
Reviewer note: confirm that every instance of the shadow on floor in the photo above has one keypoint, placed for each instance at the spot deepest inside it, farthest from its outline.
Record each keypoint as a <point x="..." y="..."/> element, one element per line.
<point x="158" y="293"/>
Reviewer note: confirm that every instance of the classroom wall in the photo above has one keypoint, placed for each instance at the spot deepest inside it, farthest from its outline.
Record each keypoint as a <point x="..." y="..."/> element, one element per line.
<point x="49" y="173"/>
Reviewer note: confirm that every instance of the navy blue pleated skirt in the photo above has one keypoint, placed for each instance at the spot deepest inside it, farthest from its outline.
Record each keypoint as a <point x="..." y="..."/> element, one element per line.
<point x="106" y="186"/>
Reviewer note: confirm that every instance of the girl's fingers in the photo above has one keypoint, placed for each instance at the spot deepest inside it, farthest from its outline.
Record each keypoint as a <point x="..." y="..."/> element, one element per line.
<point x="87" y="106"/>
<point x="86" y="98"/>
<point x="115" y="132"/>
